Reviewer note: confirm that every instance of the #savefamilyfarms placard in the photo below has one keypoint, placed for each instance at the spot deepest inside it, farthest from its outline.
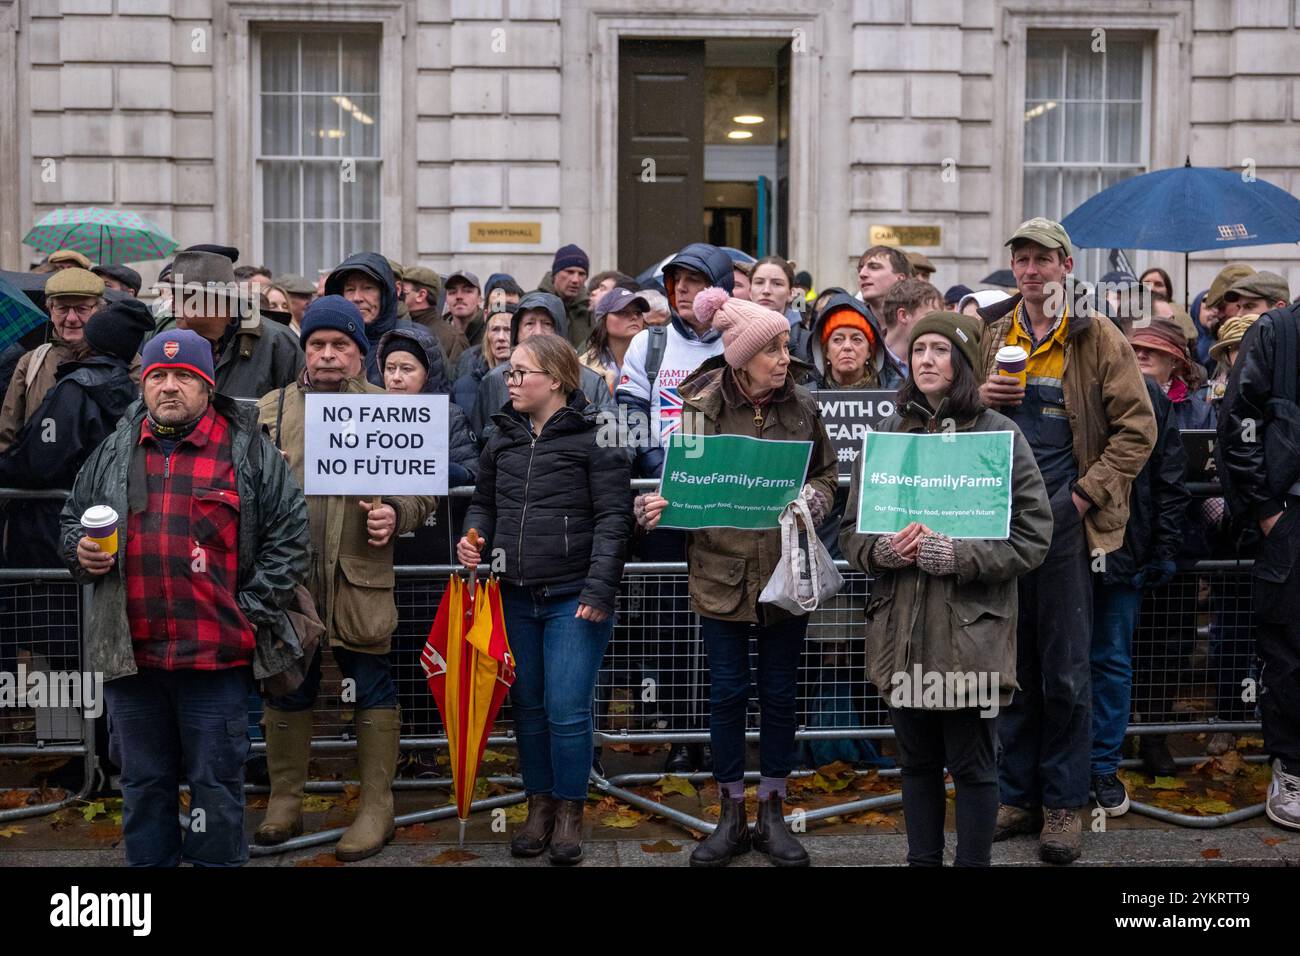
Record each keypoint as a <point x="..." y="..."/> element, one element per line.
<point x="730" y="481"/>
<point x="371" y="445"/>
<point x="956" y="483"/>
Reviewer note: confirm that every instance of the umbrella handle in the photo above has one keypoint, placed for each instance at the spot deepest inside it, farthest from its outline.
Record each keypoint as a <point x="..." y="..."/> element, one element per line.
<point x="477" y="544"/>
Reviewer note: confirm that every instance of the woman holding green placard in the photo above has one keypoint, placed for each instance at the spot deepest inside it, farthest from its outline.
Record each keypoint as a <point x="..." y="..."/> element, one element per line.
<point x="748" y="391"/>
<point x="942" y="608"/>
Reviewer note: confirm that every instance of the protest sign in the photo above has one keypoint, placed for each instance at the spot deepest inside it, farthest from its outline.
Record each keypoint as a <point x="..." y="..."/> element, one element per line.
<point x="850" y="415"/>
<point x="371" y="445"/>
<point x="730" y="481"/>
<point x="957" y="483"/>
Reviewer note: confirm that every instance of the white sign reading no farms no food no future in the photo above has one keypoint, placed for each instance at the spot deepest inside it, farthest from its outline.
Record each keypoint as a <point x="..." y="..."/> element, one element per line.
<point x="371" y="445"/>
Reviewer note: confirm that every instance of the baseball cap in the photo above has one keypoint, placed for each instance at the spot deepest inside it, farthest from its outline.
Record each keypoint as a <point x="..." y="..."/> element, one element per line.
<point x="1046" y="232"/>
<point x="464" y="274"/>
<point x="617" y="299"/>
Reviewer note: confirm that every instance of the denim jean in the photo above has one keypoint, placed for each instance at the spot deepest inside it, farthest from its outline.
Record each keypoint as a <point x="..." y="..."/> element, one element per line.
<point x="166" y="727"/>
<point x="1046" y="732"/>
<point x="557" y="657"/>
<point x="373" y="674"/>
<point x="780" y="645"/>
<point x="1114" y="619"/>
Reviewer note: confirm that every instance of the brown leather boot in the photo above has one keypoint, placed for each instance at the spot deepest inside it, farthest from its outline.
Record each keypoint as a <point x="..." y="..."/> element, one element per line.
<point x="378" y="730"/>
<point x="535" y="835"/>
<point x="773" y="837"/>
<point x="729" y="839"/>
<point x="566" y="843"/>
<point x="288" y="751"/>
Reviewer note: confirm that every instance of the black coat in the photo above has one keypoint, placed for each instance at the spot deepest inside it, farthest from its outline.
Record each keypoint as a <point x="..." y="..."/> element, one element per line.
<point x="1158" y="501"/>
<point x="77" y="414"/>
<point x="558" y="506"/>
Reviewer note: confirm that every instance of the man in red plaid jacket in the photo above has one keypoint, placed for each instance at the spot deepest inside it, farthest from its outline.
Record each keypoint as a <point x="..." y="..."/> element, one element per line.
<point x="213" y="540"/>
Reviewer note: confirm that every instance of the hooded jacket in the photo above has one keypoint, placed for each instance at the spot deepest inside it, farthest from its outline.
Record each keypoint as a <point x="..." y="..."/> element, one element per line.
<point x="273" y="542"/>
<point x="79" y="412"/>
<point x="881" y="372"/>
<point x="578" y="315"/>
<point x="558" y="505"/>
<point x="377" y="268"/>
<point x="684" y="351"/>
<point x="463" y="450"/>
<point x="492" y="391"/>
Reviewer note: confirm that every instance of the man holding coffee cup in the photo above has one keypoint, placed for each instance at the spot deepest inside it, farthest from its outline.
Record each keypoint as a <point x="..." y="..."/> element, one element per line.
<point x="1070" y="383"/>
<point x="193" y="533"/>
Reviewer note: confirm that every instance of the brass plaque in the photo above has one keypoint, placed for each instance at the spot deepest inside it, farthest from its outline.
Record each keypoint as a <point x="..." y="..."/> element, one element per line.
<point x="903" y="236"/>
<point x="505" y="232"/>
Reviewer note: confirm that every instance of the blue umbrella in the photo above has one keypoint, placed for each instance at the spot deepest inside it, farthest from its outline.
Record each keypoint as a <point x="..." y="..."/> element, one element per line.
<point x="1186" y="209"/>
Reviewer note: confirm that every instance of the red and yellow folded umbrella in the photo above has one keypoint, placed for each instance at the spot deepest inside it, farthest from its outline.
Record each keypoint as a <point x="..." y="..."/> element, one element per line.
<point x="469" y="667"/>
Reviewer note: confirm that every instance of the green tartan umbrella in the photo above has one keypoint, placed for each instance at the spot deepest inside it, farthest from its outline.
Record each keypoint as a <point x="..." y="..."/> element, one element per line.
<point x="106" y="236"/>
<point x="17" y="314"/>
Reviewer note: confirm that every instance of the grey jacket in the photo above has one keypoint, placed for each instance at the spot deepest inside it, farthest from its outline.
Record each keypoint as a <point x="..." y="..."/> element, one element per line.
<point x="272" y="540"/>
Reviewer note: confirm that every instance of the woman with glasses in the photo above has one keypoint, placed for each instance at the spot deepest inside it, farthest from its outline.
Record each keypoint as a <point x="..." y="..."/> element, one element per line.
<point x="553" y="513"/>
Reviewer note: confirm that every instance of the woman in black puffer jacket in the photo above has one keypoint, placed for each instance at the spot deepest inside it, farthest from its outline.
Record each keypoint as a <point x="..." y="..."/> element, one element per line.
<point x="553" y="508"/>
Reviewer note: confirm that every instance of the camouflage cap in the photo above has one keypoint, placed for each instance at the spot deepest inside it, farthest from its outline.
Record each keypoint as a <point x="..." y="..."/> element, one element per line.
<point x="1224" y="281"/>
<point x="1046" y="232"/>
<point x="1268" y="286"/>
<point x="73" y="282"/>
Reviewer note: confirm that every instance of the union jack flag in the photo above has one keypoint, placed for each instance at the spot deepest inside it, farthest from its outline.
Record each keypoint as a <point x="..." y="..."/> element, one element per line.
<point x="670" y="411"/>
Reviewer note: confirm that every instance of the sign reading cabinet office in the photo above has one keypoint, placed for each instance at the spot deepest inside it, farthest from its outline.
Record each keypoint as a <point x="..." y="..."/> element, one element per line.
<point x="372" y="445"/>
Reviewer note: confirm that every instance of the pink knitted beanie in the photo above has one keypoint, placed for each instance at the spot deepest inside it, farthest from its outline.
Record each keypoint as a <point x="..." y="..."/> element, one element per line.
<point x="746" y="326"/>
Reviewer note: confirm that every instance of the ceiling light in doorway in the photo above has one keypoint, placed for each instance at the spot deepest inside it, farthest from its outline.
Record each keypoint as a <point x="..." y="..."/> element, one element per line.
<point x="747" y="119"/>
<point x="740" y="134"/>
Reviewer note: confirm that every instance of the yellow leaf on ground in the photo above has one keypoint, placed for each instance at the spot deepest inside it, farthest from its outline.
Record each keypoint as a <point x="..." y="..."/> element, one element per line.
<point x="92" y="810"/>
<point x="671" y="783"/>
<point x="317" y="803"/>
<point x="517" y="813"/>
<point x="7" y="832"/>
<point x="1168" y="783"/>
<point x="872" y="818"/>
<point x="494" y="756"/>
<point x="623" y="819"/>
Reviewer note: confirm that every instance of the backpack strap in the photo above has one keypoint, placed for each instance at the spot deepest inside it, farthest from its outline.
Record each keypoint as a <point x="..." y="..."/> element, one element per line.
<point x="36" y="361"/>
<point x="1285" y="355"/>
<point x="279" y="416"/>
<point x="654" y="354"/>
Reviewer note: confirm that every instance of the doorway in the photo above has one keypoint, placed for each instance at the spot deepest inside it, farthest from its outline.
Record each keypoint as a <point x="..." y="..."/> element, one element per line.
<point x="703" y="147"/>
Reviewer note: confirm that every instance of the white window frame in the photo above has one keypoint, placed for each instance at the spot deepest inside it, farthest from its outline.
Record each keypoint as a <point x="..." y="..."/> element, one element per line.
<point x="1143" y="162"/>
<point x="260" y="158"/>
<point x="1166" y="24"/>
<point x="238" y="207"/>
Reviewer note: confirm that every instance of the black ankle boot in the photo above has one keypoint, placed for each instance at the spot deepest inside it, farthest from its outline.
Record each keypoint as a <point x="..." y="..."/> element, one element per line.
<point x="772" y="837"/>
<point x="731" y="838"/>
<point x="679" y="759"/>
<point x="535" y="835"/>
<point x="566" y="844"/>
<point x="1154" y="753"/>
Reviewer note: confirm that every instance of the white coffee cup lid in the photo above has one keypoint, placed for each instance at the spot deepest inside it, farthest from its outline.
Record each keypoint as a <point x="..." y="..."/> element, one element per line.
<point x="1011" y="353"/>
<point x="99" y="516"/>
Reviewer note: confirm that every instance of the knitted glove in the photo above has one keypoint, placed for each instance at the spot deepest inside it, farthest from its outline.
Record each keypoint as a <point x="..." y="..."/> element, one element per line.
<point x="817" y="504"/>
<point x="638" y="509"/>
<point x="936" y="555"/>
<point x="884" y="556"/>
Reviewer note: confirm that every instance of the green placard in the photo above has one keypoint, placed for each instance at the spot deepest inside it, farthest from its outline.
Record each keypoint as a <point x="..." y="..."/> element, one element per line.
<point x="730" y="481"/>
<point x="957" y="483"/>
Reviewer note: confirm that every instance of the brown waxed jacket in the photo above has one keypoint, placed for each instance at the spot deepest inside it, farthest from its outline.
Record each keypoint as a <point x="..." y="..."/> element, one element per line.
<point x="1113" y="425"/>
<point x="351" y="581"/>
<point x="728" y="568"/>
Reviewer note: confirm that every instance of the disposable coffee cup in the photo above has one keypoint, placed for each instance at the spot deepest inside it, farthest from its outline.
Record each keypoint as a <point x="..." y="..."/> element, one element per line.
<point x="1011" y="361"/>
<point x="100" y="525"/>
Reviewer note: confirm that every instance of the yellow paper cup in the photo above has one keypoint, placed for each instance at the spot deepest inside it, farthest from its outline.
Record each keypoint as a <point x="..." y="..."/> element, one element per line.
<point x="100" y="525"/>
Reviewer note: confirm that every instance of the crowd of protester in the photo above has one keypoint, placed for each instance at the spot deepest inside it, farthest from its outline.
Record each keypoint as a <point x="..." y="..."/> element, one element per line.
<point x="186" y="417"/>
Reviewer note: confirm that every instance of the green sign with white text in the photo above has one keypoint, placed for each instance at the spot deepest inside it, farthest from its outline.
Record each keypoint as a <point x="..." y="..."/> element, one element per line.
<point x="730" y="481"/>
<point x="955" y="483"/>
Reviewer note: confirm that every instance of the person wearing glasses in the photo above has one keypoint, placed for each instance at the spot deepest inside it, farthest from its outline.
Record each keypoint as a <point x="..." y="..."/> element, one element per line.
<point x="552" y="509"/>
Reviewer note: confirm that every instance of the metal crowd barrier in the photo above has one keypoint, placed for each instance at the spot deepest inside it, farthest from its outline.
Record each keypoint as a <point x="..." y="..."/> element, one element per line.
<point x="653" y="684"/>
